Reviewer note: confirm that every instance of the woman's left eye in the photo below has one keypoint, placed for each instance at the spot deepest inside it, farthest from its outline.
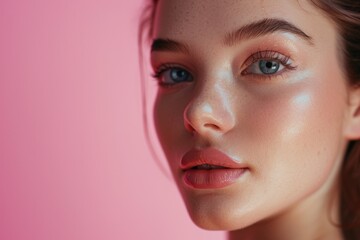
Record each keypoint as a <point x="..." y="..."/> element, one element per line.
<point x="265" y="67"/>
<point x="267" y="63"/>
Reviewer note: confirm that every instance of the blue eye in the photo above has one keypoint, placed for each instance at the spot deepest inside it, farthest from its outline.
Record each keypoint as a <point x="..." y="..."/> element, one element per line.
<point x="265" y="67"/>
<point x="178" y="75"/>
<point x="168" y="76"/>
<point x="267" y="63"/>
<point x="269" y="67"/>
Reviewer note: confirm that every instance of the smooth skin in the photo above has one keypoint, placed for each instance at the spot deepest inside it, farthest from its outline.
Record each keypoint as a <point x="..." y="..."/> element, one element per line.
<point x="290" y="127"/>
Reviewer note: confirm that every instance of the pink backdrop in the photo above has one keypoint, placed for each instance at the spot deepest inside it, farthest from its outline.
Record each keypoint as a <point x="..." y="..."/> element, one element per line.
<point x="73" y="160"/>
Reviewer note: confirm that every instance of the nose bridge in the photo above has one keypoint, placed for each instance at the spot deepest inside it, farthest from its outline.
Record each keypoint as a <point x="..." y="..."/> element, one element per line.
<point x="210" y="109"/>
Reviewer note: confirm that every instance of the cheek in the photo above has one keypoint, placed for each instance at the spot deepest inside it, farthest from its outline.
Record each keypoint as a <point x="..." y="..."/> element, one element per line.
<point x="293" y="136"/>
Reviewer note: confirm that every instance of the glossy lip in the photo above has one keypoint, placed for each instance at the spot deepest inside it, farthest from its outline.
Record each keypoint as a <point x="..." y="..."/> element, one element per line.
<point x="211" y="156"/>
<point x="196" y="178"/>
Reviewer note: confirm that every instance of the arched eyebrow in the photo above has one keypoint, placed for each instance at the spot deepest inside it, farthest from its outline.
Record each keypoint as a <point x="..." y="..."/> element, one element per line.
<point x="263" y="27"/>
<point x="164" y="45"/>
<point x="252" y="30"/>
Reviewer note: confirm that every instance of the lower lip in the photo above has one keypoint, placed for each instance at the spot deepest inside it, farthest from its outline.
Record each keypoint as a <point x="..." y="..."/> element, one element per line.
<point x="214" y="178"/>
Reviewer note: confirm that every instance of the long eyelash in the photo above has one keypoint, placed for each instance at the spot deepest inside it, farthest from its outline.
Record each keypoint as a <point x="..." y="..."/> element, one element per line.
<point x="271" y="55"/>
<point x="157" y="74"/>
<point x="160" y="70"/>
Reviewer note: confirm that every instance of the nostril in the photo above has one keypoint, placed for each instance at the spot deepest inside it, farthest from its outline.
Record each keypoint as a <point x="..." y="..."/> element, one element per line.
<point x="213" y="126"/>
<point x="191" y="129"/>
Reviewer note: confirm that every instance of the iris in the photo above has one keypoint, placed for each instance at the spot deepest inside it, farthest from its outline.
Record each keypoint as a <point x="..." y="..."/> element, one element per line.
<point x="268" y="67"/>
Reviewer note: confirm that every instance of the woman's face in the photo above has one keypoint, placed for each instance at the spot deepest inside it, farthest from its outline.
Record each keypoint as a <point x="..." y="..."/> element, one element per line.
<point x="261" y="82"/>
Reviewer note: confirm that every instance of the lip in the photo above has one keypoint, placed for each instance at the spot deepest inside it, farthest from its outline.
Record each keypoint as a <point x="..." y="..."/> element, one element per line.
<point x="226" y="173"/>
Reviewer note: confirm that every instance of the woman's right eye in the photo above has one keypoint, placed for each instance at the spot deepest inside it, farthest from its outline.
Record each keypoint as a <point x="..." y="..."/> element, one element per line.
<point x="169" y="76"/>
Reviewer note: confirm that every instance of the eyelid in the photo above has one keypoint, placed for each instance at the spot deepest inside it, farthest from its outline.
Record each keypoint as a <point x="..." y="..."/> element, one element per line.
<point x="273" y="55"/>
<point x="270" y="55"/>
<point x="158" y="70"/>
<point x="162" y="68"/>
<point x="267" y="55"/>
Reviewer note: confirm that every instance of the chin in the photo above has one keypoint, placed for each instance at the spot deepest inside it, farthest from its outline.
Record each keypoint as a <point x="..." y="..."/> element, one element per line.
<point x="219" y="217"/>
<point x="218" y="223"/>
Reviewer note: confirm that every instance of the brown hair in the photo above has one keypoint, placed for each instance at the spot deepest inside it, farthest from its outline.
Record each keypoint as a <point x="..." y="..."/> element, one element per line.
<point x="346" y="16"/>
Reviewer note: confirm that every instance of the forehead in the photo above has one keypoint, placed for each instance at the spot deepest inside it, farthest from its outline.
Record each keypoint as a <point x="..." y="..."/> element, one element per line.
<point x="186" y="19"/>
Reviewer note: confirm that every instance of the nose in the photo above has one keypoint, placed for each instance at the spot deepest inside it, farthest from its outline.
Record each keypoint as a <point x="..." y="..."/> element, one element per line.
<point x="210" y="112"/>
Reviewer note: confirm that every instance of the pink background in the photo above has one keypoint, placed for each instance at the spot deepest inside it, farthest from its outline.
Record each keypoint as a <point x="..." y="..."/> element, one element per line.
<point x="73" y="160"/>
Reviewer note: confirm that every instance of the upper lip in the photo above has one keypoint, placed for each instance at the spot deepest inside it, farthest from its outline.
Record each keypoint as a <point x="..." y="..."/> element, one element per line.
<point x="210" y="156"/>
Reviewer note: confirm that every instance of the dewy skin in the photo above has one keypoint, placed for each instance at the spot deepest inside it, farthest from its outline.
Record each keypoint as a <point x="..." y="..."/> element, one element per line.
<point x="253" y="116"/>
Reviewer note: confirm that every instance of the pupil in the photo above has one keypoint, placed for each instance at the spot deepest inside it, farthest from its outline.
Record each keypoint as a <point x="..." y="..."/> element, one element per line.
<point x="178" y="75"/>
<point x="269" y="64"/>
<point x="269" y="67"/>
